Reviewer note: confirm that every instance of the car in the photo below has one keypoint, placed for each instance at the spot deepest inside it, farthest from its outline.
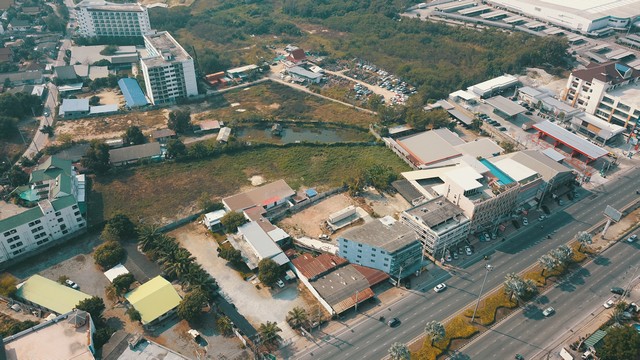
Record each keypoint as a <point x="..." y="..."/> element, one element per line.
<point x="548" y="311"/>
<point x="460" y="251"/>
<point x="280" y="283"/>
<point x="45" y="113"/>
<point x="468" y="250"/>
<point x="393" y="322"/>
<point x="71" y="284"/>
<point x="587" y="355"/>
<point x="617" y="290"/>
<point x="455" y="256"/>
<point x="324" y="237"/>
<point x="560" y="202"/>
<point x="448" y="258"/>
<point x="440" y="287"/>
<point x="608" y="304"/>
<point x="525" y="222"/>
<point x="632" y="238"/>
<point x="541" y="217"/>
<point x="493" y="236"/>
<point x="487" y="237"/>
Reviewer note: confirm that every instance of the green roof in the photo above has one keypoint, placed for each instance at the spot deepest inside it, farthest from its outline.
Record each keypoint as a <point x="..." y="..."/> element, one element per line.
<point x="21" y="218"/>
<point x="50" y="294"/>
<point x="63" y="202"/>
<point x="595" y="338"/>
<point x="153" y="299"/>
<point x="50" y="169"/>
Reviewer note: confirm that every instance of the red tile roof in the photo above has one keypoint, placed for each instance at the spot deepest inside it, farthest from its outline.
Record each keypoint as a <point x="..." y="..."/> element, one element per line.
<point x="373" y="276"/>
<point x="605" y="72"/>
<point x="313" y="267"/>
<point x="297" y="55"/>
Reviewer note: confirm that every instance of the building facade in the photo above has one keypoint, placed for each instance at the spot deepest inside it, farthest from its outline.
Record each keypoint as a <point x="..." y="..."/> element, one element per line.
<point x="56" y="196"/>
<point x="168" y="70"/>
<point x="102" y="18"/>
<point x="608" y="91"/>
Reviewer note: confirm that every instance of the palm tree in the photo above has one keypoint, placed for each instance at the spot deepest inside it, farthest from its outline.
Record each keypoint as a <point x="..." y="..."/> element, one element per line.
<point x="297" y="317"/>
<point x="399" y="351"/>
<point x="562" y="255"/>
<point x="435" y="331"/>
<point x="548" y="262"/>
<point x="269" y="333"/>
<point x="177" y="264"/>
<point x="164" y="246"/>
<point x="224" y="325"/>
<point x="148" y="235"/>
<point x="584" y="238"/>
<point x="514" y="286"/>
<point x="197" y="278"/>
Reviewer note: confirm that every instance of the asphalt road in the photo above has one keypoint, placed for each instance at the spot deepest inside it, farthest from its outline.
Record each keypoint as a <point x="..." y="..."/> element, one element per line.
<point x="576" y="299"/>
<point x="368" y="338"/>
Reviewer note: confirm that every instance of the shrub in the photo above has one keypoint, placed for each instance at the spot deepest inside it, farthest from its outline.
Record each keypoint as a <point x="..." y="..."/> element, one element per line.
<point x="486" y="313"/>
<point x="109" y="254"/>
<point x="134" y="314"/>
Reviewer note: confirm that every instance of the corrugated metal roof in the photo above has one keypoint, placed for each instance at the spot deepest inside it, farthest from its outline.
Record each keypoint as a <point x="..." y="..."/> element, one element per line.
<point x="257" y="196"/>
<point x="262" y="244"/>
<point x="132" y="92"/>
<point x="50" y="294"/>
<point x="153" y="299"/>
<point x="134" y="152"/>
<point x="511" y="108"/>
<point x="312" y="267"/>
<point x="70" y="105"/>
<point x="572" y="140"/>
<point x="373" y="276"/>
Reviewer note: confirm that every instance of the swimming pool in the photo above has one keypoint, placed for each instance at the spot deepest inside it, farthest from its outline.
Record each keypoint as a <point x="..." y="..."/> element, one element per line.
<point x="503" y="179"/>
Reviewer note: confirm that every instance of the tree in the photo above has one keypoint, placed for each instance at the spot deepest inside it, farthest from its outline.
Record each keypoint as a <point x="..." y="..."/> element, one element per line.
<point x="94" y="306"/>
<point x="584" y="238"/>
<point x="179" y="121"/>
<point x="175" y="149"/>
<point x="47" y="129"/>
<point x="297" y="317"/>
<point x="8" y="285"/>
<point x="97" y="157"/>
<point x="563" y="255"/>
<point x="380" y="176"/>
<point x="120" y="228"/>
<point x="94" y="100"/>
<point x="17" y="176"/>
<point x="133" y="136"/>
<point x="232" y="220"/>
<point x="176" y="263"/>
<point x="434" y="331"/>
<point x="191" y="305"/>
<point x="548" y="262"/>
<point x="122" y="283"/>
<point x="622" y="342"/>
<point x="231" y="255"/>
<point x="224" y="325"/>
<point x="8" y="127"/>
<point x="269" y="333"/>
<point x="269" y="271"/>
<point x="134" y="314"/>
<point x="517" y="287"/>
<point x="508" y="146"/>
<point x="109" y="254"/>
<point x="148" y="236"/>
<point x="476" y="124"/>
<point x="399" y="351"/>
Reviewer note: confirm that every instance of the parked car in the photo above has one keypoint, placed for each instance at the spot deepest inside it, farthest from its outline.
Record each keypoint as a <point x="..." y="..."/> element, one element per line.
<point x="71" y="284"/>
<point x="455" y="255"/>
<point x="440" y="287"/>
<point x="548" y="311"/>
<point x="541" y="217"/>
<point x="393" y="322"/>
<point x="560" y="202"/>
<point x="617" y="290"/>
<point x="608" y="304"/>
<point x="525" y="222"/>
<point x="468" y="250"/>
<point x="324" y="237"/>
<point x="448" y="258"/>
<point x="632" y="238"/>
<point x="280" y="283"/>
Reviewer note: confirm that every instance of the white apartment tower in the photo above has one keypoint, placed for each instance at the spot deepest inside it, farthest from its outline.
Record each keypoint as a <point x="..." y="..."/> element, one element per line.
<point x="101" y="18"/>
<point x="169" y="71"/>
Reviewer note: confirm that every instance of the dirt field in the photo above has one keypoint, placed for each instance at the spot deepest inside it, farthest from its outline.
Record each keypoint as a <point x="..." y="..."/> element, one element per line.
<point x="107" y="97"/>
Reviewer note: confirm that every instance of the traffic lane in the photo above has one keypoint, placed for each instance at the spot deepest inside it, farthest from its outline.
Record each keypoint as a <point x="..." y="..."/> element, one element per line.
<point x="529" y="332"/>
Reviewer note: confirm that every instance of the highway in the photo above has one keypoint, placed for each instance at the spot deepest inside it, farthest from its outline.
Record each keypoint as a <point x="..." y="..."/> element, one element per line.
<point x="576" y="299"/>
<point x="369" y="338"/>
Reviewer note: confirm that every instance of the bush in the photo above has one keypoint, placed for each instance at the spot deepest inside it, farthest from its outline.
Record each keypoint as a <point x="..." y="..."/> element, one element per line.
<point x="118" y="228"/>
<point x="232" y="220"/>
<point x="269" y="272"/>
<point x="191" y="305"/>
<point x="486" y="313"/>
<point x="134" y="314"/>
<point x="7" y="285"/>
<point x="122" y="283"/>
<point x="109" y="254"/>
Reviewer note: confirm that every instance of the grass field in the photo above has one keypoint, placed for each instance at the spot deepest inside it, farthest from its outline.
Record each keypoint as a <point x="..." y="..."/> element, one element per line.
<point x="166" y="191"/>
<point x="273" y="100"/>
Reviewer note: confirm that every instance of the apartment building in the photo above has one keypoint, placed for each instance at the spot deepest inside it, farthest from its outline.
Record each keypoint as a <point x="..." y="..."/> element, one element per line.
<point x="102" y="18"/>
<point x="168" y="70"/>
<point x="54" y="200"/>
<point x="384" y="244"/>
<point x="439" y="223"/>
<point x="610" y="91"/>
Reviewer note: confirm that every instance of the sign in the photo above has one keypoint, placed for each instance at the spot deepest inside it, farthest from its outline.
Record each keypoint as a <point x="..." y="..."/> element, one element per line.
<point x="612" y="213"/>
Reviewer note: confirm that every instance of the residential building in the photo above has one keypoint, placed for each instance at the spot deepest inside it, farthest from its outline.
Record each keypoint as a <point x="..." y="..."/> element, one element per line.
<point x="168" y="70"/>
<point x="19" y="25"/>
<point x="209" y="126"/>
<point x="212" y="220"/>
<point x="260" y="245"/>
<point x="6" y="55"/>
<point x="23" y="78"/>
<point x="49" y="295"/>
<point x="133" y="154"/>
<point x="155" y="300"/>
<point x="609" y="91"/>
<point x="102" y="18"/>
<point x="66" y="337"/>
<point x="125" y="346"/>
<point x="56" y="198"/>
<point x="384" y="244"/>
<point x="224" y="134"/>
<point x="439" y="223"/>
<point x="270" y="197"/>
<point x="74" y="108"/>
<point x="163" y="135"/>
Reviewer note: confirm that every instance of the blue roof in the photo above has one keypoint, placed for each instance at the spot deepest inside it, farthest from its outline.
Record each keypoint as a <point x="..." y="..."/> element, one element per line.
<point x="311" y="192"/>
<point x="132" y="92"/>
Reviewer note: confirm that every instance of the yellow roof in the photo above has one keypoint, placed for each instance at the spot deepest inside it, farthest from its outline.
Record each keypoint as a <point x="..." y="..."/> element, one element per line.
<point x="50" y="294"/>
<point x="153" y="298"/>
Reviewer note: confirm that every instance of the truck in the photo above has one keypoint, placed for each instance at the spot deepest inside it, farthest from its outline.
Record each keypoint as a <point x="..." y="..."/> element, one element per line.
<point x="528" y="125"/>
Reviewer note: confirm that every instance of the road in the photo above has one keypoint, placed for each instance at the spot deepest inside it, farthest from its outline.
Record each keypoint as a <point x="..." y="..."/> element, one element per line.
<point x="576" y="300"/>
<point x="368" y="338"/>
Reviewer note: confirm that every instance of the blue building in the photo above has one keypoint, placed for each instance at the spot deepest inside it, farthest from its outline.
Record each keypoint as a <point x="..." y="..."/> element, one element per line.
<point x="132" y="93"/>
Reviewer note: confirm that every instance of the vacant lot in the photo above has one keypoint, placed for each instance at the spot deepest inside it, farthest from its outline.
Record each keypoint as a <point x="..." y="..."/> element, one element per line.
<point x="166" y="191"/>
<point x="308" y="222"/>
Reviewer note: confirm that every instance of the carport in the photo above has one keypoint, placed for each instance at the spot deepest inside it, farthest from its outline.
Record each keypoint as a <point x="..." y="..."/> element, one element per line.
<point x="461" y="117"/>
<point x="577" y="144"/>
<point x="504" y="107"/>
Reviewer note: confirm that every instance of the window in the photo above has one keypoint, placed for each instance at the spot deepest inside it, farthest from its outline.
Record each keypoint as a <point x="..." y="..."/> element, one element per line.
<point x="76" y="213"/>
<point x="81" y="225"/>
<point x="6" y="233"/>
<point x="79" y="219"/>
<point x="359" y="250"/>
<point x="65" y="231"/>
<point x="359" y="245"/>
<point x="60" y="220"/>
<point x="359" y="256"/>
<point x="58" y="213"/>
<point x="373" y="255"/>
<point x="63" y="227"/>
<point x="18" y="251"/>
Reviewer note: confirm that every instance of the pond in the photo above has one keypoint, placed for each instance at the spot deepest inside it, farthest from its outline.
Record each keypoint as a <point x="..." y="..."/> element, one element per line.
<point x="293" y="133"/>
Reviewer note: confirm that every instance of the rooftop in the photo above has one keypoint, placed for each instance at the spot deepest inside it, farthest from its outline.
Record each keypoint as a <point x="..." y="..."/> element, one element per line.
<point x="540" y="162"/>
<point x="135" y="152"/>
<point x="553" y="155"/>
<point x="514" y="169"/>
<point x="132" y="92"/>
<point x="50" y="294"/>
<point x="340" y="286"/>
<point x="297" y="70"/>
<point x="606" y="130"/>
<point x="431" y="146"/>
<point x="501" y="103"/>
<point x="589" y="9"/>
<point x="153" y="298"/>
<point x="67" y="337"/>
<point x="124" y="346"/>
<point x="495" y="83"/>
<point x="270" y="192"/>
<point x="162" y="133"/>
<point x="607" y="72"/>
<point x="164" y="49"/>
<point x="436" y="212"/>
<point x="574" y="141"/>
<point x="99" y="5"/>
<point x="391" y="236"/>
<point x="71" y="105"/>
<point x="262" y="243"/>
<point x="483" y="147"/>
<point x="629" y="94"/>
<point x="465" y="177"/>
<point x="312" y="267"/>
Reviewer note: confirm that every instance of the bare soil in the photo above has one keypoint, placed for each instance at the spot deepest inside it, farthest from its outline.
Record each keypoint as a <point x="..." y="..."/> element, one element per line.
<point x="308" y="221"/>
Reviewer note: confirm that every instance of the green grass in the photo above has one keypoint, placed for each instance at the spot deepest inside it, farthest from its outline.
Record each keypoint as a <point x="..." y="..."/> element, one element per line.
<point x="165" y="191"/>
<point x="457" y="328"/>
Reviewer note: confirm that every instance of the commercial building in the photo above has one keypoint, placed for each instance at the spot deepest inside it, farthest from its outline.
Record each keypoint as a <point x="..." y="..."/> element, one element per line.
<point x="155" y="300"/>
<point x="609" y="91"/>
<point x="303" y="75"/>
<point x="168" y="70"/>
<point x="493" y="86"/>
<point x="102" y="18"/>
<point x="384" y="244"/>
<point x="133" y="95"/>
<point x="66" y="337"/>
<point x="74" y="108"/>
<point x="597" y="129"/>
<point x="49" y="295"/>
<point x="577" y="145"/>
<point x="439" y="223"/>
<point x="56" y="199"/>
<point x="260" y="245"/>
<point x="547" y="103"/>
<point x="587" y="17"/>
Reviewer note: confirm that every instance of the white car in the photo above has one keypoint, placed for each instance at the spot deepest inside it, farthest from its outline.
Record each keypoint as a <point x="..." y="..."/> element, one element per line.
<point x="542" y="217"/>
<point x="525" y="222"/>
<point x="71" y="284"/>
<point x="632" y="238"/>
<point x="280" y="283"/>
<point x="440" y="287"/>
<point x="608" y="304"/>
<point x="468" y="250"/>
<point x="548" y="311"/>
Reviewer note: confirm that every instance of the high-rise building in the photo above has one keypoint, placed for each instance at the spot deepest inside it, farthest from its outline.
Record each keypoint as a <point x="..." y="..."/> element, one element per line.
<point x="169" y="71"/>
<point x="102" y="18"/>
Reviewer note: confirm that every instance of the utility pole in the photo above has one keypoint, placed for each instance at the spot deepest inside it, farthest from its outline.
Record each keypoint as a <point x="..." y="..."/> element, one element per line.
<point x="399" y="275"/>
<point x="488" y="268"/>
<point x="356" y="300"/>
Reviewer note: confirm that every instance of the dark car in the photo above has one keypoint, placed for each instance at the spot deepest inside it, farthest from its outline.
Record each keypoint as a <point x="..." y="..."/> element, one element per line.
<point x="617" y="290"/>
<point x="393" y="322"/>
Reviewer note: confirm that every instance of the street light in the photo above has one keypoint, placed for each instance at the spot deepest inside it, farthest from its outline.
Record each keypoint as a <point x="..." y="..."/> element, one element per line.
<point x="488" y="268"/>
